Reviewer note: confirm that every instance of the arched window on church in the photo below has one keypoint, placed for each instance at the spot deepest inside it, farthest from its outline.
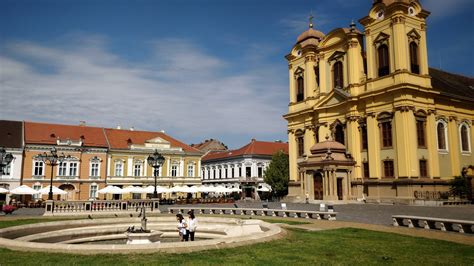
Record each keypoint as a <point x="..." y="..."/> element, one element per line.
<point x="339" y="133"/>
<point x="464" y="132"/>
<point x="300" y="89"/>
<point x="384" y="67"/>
<point x="338" y="78"/>
<point x="414" y="65"/>
<point x="442" y="136"/>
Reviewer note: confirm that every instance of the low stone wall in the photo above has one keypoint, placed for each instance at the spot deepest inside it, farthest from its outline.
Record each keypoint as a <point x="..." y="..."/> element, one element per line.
<point x="226" y="229"/>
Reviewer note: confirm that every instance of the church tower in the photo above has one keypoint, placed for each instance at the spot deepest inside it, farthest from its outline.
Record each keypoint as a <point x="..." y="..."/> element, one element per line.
<point x="395" y="32"/>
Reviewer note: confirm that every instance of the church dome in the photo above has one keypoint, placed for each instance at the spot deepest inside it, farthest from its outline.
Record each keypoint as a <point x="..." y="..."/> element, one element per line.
<point x="310" y="33"/>
<point x="323" y="147"/>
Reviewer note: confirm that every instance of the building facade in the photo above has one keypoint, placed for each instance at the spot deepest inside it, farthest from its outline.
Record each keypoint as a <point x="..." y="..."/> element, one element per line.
<point x="241" y="168"/>
<point x="128" y="153"/>
<point x="11" y="139"/>
<point x="82" y="174"/>
<point x="407" y="127"/>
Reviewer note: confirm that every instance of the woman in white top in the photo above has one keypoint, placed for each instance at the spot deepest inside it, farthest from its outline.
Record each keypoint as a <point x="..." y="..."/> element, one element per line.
<point x="192" y="225"/>
<point x="183" y="236"/>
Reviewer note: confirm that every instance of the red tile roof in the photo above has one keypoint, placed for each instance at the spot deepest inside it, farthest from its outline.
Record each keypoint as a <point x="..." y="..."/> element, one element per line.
<point x="253" y="148"/>
<point x="45" y="133"/>
<point x="120" y="138"/>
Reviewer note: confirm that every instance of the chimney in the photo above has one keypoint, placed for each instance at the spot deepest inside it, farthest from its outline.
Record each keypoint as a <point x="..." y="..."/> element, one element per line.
<point x="253" y="140"/>
<point x="132" y="129"/>
<point x="119" y="127"/>
<point x="162" y="131"/>
<point x="82" y="123"/>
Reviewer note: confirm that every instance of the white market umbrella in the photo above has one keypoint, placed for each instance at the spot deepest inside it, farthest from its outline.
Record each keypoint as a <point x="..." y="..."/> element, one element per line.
<point x="236" y="189"/>
<point x="133" y="189"/>
<point x="110" y="190"/>
<point x="56" y="191"/>
<point x="222" y="189"/>
<point x="159" y="189"/>
<point x="23" y="190"/>
<point x="192" y="189"/>
<point x="206" y="189"/>
<point x="177" y="189"/>
<point x="3" y="190"/>
<point x="264" y="189"/>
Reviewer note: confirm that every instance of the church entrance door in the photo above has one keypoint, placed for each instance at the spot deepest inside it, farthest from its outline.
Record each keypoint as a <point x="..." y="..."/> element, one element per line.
<point x="318" y="187"/>
<point x="339" y="188"/>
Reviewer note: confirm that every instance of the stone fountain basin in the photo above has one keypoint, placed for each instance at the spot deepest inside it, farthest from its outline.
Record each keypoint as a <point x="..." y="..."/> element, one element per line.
<point x="67" y="236"/>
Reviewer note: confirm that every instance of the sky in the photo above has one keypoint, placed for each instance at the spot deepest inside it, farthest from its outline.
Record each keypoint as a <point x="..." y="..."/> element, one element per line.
<point x="197" y="69"/>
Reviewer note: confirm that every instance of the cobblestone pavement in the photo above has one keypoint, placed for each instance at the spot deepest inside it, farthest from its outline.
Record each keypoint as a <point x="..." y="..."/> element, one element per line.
<point x="360" y="213"/>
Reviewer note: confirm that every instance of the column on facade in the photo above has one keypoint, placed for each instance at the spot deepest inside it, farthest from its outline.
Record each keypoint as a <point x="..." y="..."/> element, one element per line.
<point x="433" y="160"/>
<point x="325" y="184"/>
<point x="292" y="146"/>
<point x="454" y="146"/>
<point x="310" y="77"/>
<point x="404" y="130"/>
<point x="400" y="58"/>
<point x="181" y="167"/>
<point x="168" y="166"/>
<point x="423" y="52"/>
<point x="370" y="55"/>
<point x="334" y="184"/>
<point x="355" y="63"/>
<point x="292" y="84"/>
<point x="130" y="166"/>
<point x="323" y="79"/>
<point x="373" y="146"/>
<point x="308" y="139"/>
<point x="354" y="142"/>
<point x="109" y="164"/>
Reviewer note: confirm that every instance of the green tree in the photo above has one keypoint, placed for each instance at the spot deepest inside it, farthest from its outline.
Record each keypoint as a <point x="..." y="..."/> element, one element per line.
<point x="277" y="174"/>
<point x="459" y="187"/>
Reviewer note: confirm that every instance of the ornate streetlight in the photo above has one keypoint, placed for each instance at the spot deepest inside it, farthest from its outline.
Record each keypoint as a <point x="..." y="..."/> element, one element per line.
<point x="52" y="159"/>
<point x="5" y="159"/>
<point x="155" y="160"/>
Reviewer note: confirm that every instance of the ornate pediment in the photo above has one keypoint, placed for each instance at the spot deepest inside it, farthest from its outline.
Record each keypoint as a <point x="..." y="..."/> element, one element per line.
<point x="336" y="56"/>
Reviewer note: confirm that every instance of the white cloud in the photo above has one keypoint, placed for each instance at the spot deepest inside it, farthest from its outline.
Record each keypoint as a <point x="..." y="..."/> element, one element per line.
<point x="179" y="88"/>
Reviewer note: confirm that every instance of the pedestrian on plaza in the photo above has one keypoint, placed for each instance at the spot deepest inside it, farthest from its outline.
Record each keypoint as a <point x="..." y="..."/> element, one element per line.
<point x="183" y="236"/>
<point x="192" y="225"/>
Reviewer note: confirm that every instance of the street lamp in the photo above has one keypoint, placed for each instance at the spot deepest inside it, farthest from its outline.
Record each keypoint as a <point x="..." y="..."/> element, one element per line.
<point x="52" y="159"/>
<point x="5" y="159"/>
<point x="155" y="161"/>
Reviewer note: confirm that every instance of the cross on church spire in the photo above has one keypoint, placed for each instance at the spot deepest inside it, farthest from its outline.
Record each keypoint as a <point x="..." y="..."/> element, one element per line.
<point x="311" y="19"/>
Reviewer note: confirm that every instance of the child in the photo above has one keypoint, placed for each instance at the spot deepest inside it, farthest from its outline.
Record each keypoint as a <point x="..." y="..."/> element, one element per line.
<point x="183" y="236"/>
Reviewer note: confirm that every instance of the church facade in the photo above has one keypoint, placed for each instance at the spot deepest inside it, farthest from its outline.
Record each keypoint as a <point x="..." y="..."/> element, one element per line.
<point x="400" y="129"/>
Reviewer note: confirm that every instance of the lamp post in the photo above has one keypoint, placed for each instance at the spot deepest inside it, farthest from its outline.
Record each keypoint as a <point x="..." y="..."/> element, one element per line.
<point x="155" y="160"/>
<point x="5" y="159"/>
<point x="52" y="159"/>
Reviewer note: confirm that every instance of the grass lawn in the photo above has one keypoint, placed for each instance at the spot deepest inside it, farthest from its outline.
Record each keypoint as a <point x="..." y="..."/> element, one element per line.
<point x="341" y="246"/>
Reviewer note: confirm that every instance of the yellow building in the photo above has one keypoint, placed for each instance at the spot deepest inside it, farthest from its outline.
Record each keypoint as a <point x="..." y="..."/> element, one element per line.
<point x="128" y="153"/>
<point x="407" y="128"/>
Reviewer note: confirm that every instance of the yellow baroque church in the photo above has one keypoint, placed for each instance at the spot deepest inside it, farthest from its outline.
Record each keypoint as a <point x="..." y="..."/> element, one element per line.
<point x="368" y="119"/>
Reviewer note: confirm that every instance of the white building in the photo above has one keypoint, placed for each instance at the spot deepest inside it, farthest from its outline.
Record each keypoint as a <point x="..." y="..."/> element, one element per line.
<point x="241" y="168"/>
<point x="11" y="139"/>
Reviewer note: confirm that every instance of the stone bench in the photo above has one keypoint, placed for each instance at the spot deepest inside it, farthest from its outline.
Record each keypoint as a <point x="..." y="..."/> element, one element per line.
<point x="462" y="226"/>
<point x="254" y="212"/>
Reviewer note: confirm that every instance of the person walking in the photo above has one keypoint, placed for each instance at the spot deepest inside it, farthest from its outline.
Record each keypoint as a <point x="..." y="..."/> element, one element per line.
<point x="183" y="236"/>
<point x="192" y="225"/>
